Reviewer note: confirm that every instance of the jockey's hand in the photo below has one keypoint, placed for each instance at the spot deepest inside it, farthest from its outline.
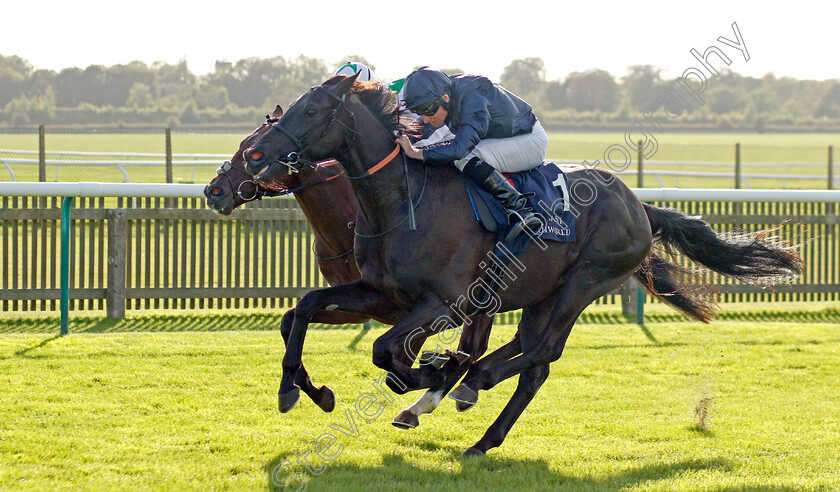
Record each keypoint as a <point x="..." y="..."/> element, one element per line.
<point x="410" y="150"/>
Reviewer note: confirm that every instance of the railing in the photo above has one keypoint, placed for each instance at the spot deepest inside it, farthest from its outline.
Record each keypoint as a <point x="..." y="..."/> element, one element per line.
<point x="739" y="174"/>
<point x="733" y="174"/>
<point x="152" y="252"/>
<point x="121" y="160"/>
<point x="126" y="160"/>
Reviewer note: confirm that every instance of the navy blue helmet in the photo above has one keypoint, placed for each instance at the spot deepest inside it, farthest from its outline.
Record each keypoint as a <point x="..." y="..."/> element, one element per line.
<point x="425" y="85"/>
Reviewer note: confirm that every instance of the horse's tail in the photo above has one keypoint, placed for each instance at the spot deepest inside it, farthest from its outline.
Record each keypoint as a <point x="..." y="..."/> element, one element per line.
<point x="676" y="286"/>
<point x="756" y="258"/>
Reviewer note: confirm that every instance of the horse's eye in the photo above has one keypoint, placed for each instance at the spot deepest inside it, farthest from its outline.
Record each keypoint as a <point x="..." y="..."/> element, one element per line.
<point x="311" y="112"/>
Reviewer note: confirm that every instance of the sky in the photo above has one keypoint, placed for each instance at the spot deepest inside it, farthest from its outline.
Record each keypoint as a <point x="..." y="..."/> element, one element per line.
<point x="797" y="39"/>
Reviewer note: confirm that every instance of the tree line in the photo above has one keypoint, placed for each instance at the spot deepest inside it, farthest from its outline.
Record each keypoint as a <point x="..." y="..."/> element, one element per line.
<point x="234" y="93"/>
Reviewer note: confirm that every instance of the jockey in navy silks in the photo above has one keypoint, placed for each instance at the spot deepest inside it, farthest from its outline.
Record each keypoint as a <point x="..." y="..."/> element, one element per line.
<point x="430" y="135"/>
<point x="495" y="131"/>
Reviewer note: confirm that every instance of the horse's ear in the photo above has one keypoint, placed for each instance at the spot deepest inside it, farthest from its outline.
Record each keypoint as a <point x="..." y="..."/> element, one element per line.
<point x="278" y="112"/>
<point x="343" y="83"/>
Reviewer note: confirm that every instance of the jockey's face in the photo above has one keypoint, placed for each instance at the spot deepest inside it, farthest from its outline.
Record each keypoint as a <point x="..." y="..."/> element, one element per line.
<point x="439" y="117"/>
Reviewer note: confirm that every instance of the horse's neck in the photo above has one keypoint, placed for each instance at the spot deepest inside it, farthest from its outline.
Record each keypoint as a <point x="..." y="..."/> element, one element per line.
<point x="382" y="195"/>
<point x="329" y="207"/>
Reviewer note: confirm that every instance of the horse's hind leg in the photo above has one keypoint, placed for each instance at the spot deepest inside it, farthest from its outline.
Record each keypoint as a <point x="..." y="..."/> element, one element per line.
<point x="529" y="383"/>
<point x="531" y="376"/>
<point x="544" y="329"/>
<point x="466" y="398"/>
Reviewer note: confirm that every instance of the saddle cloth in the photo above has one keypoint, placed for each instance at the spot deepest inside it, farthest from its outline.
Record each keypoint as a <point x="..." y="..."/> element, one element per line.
<point x="547" y="192"/>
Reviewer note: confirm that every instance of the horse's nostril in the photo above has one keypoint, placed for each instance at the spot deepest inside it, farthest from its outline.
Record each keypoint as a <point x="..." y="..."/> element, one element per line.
<point x="256" y="155"/>
<point x="216" y="191"/>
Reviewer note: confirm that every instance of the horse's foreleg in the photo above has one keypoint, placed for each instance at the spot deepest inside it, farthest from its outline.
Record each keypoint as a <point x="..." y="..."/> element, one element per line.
<point x="323" y="396"/>
<point x="355" y="298"/>
<point x="474" y="339"/>
<point x="427" y="318"/>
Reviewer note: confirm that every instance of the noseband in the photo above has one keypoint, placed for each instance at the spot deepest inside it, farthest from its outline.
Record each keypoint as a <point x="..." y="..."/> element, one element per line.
<point x="259" y="192"/>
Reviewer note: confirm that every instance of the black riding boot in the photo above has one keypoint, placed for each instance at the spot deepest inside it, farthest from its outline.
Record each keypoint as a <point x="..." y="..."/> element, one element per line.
<point x="520" y="215"/>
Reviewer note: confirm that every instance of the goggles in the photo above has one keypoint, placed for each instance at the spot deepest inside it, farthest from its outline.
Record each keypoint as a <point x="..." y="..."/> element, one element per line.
<point x="428" y="109"/>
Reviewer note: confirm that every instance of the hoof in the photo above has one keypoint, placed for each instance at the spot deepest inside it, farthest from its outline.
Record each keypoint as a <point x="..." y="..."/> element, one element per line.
<point x="473" y="452"/>
<point x="288" y="400"/>
<point x="459" y="356"/>
<point x="464" y="397"/>
<point x="433" y="359"/>
<point x="462" y="406"/>
<point x="327" y="401"/>
<point x="405" y="420"/>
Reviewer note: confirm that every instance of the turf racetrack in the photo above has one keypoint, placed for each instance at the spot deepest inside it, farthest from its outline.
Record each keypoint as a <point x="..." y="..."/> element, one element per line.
<point x="175" y="403"/>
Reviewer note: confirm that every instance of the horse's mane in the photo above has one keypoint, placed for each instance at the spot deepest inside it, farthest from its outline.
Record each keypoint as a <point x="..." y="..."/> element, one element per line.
<point x="382" y="102"/>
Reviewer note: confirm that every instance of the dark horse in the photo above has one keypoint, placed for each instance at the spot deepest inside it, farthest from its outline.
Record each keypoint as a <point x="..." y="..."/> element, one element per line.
<point x="426" y="272"/>
<point x="327" y="201"/>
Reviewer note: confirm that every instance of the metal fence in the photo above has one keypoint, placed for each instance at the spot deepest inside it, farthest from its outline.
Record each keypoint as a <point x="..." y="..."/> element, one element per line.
<point x="166" y="253"/>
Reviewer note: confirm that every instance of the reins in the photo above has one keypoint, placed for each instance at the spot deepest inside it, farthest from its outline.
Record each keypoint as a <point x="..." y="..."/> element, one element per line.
<point x="345" y="255"/>
<point x="412" y="206"/>
<point x="297" y="159"/>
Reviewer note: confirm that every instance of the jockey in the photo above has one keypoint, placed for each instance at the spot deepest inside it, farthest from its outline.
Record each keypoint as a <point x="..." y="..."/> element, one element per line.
<point x="495" y="131"/>
<point x="430" y="135"/>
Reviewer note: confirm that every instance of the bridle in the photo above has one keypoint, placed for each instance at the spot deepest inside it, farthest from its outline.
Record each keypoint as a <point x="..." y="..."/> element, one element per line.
<point x="294" y="160"/>
<point x="260" y="192"/>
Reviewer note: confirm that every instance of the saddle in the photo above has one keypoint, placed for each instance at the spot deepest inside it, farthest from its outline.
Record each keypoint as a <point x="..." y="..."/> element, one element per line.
<point x="547" y="193"/>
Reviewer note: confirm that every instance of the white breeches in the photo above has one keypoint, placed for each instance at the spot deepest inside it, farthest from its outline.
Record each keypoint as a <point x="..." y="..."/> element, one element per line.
<point x="512" y="154"/>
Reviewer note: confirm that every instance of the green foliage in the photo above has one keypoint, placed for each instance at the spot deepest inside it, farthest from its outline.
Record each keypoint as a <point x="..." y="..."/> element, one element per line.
<point x="36" y="108"/>
<point x="140" y="93"/>
<point x="139" y="96"/>
<point x="14" y="73"/>
<point x="591" y="90"/>
<point x="525" y="77"/>
<point x="640" y="84"/>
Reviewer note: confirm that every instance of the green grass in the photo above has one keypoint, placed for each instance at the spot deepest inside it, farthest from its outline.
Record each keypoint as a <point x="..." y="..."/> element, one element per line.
<point x="182" y="143"/>
<point x="702" y="147"/>
<point x="183" y="403"/>
<point x="709" y="147"/>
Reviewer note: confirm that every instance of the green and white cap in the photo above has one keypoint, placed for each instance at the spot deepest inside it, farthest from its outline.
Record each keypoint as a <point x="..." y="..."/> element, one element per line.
<point x="350" y="68"/>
